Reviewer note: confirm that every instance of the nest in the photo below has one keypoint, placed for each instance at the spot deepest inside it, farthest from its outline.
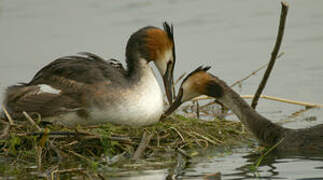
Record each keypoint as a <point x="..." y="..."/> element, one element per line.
<point x="54" y="147"/>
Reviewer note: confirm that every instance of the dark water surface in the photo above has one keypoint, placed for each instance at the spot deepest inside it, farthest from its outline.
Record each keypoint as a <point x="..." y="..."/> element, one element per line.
<point x="235" y="37"/>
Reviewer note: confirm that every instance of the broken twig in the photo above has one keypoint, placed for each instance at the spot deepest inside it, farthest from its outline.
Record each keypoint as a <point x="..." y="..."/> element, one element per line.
<point x="142" y="146"/>
<point x="273" y="54"/>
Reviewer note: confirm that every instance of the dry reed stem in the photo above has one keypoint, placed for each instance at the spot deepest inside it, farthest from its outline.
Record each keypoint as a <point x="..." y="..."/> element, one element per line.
<point x="39" y="151"/>
<point x="274" y="54"/>
<point x="31" y="120"/>
<point x="70" y="144"/>
<point x="8" y="116"/>
<point x="197" y="110"/>
<point x="79" y="155"/>
<point x="301" y="103"/>
<point x="283" y="100"/>
<point x="180" y="135"/>
<point x="207" y="139"/>
<point x="9" y="125"/>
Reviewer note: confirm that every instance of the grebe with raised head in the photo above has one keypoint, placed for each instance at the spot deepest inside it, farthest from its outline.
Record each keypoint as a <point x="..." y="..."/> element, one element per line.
<point x="88" y="90"/>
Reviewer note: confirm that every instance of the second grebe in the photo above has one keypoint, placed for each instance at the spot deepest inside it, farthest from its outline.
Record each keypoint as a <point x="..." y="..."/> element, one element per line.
<point x="88" y="90"/>
<point x="199" y="82"/>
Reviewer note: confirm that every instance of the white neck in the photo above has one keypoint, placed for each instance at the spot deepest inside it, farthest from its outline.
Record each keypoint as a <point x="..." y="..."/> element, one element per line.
<point x="138" y="105"/>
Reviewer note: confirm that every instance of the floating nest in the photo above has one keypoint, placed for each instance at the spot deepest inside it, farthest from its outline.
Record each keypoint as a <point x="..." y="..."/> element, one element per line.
<point x="52" y="148"/>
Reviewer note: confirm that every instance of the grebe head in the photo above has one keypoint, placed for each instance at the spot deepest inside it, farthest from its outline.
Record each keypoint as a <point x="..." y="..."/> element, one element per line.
<point x="157" y="45"/>
<point x="198" y="82"/>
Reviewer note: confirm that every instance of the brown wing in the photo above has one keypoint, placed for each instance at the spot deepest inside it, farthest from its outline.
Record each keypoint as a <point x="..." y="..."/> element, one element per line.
<point x="87" y="69"/>
<point x="31" y="99"/>
<point x="76" y="77"/>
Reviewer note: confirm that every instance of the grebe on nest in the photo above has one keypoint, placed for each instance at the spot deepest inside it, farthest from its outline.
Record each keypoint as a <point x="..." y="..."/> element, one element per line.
<point x="200" y="82"/>
<point x="88" y="90"/>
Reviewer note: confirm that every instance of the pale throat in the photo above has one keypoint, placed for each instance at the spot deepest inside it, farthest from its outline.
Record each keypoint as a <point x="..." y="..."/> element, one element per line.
<point x="147" y="87"/>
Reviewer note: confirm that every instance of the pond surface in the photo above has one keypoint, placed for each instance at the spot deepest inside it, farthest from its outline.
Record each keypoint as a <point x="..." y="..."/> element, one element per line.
<point x="235" y="37"/>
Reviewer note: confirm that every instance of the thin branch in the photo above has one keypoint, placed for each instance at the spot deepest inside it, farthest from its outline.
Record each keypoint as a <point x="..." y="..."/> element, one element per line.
<point x="31" y="120"/>
<point x="254" y="72"/>
<point x="274" y="54"/>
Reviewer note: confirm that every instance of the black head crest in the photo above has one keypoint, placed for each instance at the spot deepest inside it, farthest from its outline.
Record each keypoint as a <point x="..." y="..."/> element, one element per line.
<point x="169" y="29"/>
<point x="198" y="69"/>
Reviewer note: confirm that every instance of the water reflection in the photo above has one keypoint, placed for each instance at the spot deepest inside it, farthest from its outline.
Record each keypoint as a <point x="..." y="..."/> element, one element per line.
<point x="278" y="166"/>
<point x="241" y="165"/>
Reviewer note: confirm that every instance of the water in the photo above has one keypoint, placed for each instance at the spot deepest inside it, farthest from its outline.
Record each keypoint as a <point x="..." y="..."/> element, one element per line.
<point x="234" y="37"/>
<point x="273" y="167"/>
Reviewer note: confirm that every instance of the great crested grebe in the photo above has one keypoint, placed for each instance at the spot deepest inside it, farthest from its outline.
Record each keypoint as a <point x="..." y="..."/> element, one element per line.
<point x="200" y="82"/>
<point x="87" y="90"/>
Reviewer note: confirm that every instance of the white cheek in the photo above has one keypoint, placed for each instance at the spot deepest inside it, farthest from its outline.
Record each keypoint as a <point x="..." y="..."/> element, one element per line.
<point x="161" y="63"/>
<point x="44" y="88"/>
<point x="161" y="66"/>
<point x="189" y="92"/>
